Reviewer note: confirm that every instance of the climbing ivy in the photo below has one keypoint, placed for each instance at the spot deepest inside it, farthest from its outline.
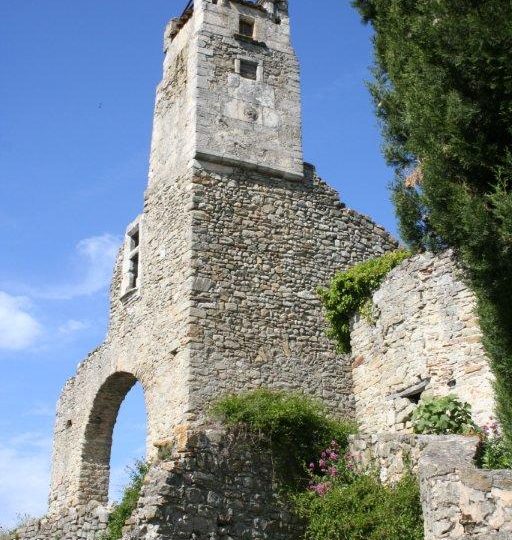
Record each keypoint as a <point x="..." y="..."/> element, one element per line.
<point x="350" y="291"/>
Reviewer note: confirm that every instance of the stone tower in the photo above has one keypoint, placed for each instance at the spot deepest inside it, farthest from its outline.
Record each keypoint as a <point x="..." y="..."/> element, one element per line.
<point x="214" y="288"/>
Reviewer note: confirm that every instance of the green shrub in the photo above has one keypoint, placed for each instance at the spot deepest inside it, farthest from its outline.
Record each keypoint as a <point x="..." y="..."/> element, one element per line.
<point x="295" y="427"/>
<point x="350" y="291"/>
<point x="125" y="508"/>
<point x="363" y="509"/>
<point x="340" y="502"/>
<point x="443" y="416"/>
<point x="494" y="452"/>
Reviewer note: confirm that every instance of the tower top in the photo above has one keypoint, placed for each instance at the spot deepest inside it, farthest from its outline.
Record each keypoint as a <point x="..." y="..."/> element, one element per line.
<point x="230" y="92"/>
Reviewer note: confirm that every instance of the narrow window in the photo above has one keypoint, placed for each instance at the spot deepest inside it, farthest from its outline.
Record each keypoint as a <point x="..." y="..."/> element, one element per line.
<point x="249" y="70"/>
<point x="134" y="271"/>
<point x="131" y="265"/>
<point x="246" y="27"/>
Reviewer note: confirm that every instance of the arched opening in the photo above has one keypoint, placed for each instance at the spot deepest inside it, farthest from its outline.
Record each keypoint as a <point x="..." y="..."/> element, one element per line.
<point x="97" y="447"/>
<point x="129" y="441"/>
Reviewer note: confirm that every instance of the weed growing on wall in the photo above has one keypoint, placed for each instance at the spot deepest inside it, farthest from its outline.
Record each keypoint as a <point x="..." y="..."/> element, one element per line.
<point x="123" y="510"/>
<point x="445" y="415"/>
<point x="350" y="292"/>
<point x="295" y="426"/>
<point x="494" y="452"/>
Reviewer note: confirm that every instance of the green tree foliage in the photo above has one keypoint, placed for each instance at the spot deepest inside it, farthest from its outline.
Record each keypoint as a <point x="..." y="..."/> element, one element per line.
<point x="349" y="292"/>
<point x="443" y="91"/>
<point x="295" y="426"/>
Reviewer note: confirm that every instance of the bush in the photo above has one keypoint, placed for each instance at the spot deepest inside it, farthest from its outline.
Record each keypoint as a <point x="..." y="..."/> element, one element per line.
<point x="494" y="453"/>
<point x="125" y="508"/>
<point x="350" y="291"/>
<point x="443" y="416"/>
<point x="340" y="502"/>
<point x="363" y="509"/>
<point x="344" y="504"/>
<point x="295" y="427"/>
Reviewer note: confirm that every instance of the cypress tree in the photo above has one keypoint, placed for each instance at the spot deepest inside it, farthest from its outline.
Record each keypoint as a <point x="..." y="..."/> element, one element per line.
<point x="442" y="87"/>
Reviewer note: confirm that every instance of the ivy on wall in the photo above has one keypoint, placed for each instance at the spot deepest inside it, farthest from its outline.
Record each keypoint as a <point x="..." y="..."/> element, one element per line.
<point x="350" y="291"/>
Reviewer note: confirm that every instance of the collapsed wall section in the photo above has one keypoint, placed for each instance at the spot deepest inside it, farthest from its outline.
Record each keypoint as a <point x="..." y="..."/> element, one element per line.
<point x="219" y="484"/>
<point x="425" y="339"/>
<point x="222" y="485"/>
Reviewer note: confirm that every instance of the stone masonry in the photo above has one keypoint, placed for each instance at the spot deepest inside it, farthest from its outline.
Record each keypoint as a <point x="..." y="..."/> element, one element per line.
<point x="460" y="501"/>
<point x="425" y="340"/>
<point x="214" y="290"/>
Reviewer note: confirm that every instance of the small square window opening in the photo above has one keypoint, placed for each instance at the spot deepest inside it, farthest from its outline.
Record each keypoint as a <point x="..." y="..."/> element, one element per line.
<point x="249" y="70"/>
<point x="246" y="28"/>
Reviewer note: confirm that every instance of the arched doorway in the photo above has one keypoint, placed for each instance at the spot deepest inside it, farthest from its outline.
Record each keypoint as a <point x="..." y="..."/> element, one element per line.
<point x="97" y="446"/>
<point x="129" y="441"/>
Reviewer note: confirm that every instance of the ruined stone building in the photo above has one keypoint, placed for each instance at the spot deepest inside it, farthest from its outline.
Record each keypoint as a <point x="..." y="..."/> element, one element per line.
<point x="214" y="291"/>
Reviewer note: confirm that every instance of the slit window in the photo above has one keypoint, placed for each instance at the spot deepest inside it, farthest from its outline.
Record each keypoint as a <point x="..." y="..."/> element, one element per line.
<point x="249" y="70"/>
<point x="246" y="27"/>
<point x="131" y="267"/>
<point x="134" y="271"/>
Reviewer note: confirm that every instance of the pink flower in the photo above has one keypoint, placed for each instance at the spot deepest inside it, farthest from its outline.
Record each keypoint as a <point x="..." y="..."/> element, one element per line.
<point x="321" y="489"/>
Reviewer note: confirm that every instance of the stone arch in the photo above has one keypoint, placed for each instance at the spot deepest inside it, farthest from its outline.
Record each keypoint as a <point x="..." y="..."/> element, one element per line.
<point x="97" y="445"/>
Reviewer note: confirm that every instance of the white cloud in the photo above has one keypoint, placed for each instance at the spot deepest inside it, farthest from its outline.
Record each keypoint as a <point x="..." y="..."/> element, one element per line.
<point x="25" y="475"/>
<point x="96" y="256"/>
<point x="72" y="326"/>
<point x="18" y="329"/>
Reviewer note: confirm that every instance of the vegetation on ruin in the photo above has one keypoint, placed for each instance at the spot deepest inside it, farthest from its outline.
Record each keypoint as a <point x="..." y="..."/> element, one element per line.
<point x="362" y="507"/>
<point x="445" y="415"/>
<point x="124" y="509"/>
<point x="285" y="421"/>
<point x="494" y="453"/>
<point x="335" y="496"/>
<point x="350" y="292"/>
<point x="443" y="91"/>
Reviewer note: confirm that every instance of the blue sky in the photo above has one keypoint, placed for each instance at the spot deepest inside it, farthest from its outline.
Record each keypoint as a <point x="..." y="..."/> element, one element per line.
<point x="76" y="97"/>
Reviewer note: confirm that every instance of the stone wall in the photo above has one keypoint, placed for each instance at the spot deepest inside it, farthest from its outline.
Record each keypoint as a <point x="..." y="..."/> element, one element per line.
<point x="219" y="484"/>
<point x="226" y="302"/>
<point x="460" y="501"/>
<point x="262" y="246"/>
<point x="425" y="340"/>
<point x="77" y="523"/>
